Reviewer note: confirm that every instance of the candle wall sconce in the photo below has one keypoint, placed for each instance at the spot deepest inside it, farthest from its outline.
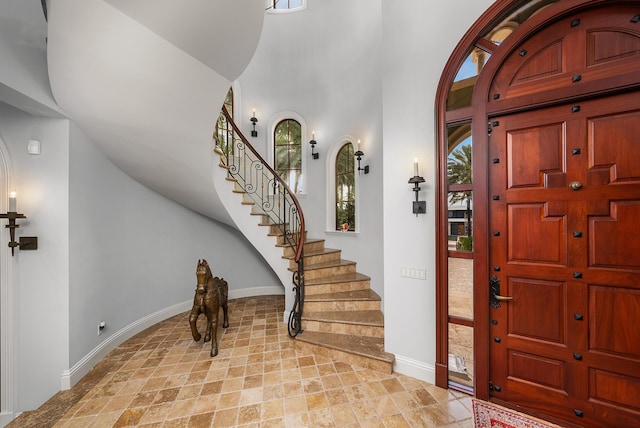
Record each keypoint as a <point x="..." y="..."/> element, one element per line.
<point x="313" y="143"/>
<point x="254" y="120"/>
<point x="359" y="155"/>
<point x="26" y="242"/>
<point x="419" y="207"/>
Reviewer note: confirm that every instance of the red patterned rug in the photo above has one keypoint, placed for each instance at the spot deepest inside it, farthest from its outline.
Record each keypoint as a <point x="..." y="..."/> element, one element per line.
<point x="489" y="415"/>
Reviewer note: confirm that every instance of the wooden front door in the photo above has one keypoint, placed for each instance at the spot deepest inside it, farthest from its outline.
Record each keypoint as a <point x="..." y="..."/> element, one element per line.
<point x="564" y="228"/>
<point x="565" y="246"/>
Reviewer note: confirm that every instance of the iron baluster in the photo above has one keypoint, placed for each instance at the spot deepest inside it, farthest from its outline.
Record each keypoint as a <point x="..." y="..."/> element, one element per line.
<point x="271" y="194"/>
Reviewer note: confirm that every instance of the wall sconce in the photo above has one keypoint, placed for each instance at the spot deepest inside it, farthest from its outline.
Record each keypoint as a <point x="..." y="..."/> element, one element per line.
<point x="359" y="154"/>
<point x="254" y="120"/>
<point x="313" y="143"/>
<point x="419" y="207"/>
<point x="26" y="242"/>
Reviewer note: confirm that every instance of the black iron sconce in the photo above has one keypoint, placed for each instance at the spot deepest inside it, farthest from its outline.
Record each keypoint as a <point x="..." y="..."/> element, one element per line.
<point x="419" y="207"/>
<point x="359" y="154"/>
<point x="254" y="120"/>
<point x="26" y="242"/>
<point x="313" y="143"/>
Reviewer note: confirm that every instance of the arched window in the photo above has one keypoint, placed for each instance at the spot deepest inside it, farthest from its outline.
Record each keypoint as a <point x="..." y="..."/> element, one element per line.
<point x="345" y="189"/>
<point x="287" y="153"/>
<point x="223" y="133"/>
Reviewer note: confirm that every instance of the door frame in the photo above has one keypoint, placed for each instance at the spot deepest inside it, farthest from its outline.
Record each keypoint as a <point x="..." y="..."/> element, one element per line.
<point x="479" y="115"/>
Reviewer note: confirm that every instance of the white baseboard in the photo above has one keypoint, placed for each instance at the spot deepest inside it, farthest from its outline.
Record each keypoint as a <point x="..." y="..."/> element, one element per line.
<point x="270" y="290"/>
<point x="416" y="369"/>
<point x="6" y="417"/>
<point x="82" y="367"/>
<point x="72" y="376"/>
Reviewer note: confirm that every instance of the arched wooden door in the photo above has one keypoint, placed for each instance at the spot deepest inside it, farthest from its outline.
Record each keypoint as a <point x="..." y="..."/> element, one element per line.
<point x="563" y="218"/>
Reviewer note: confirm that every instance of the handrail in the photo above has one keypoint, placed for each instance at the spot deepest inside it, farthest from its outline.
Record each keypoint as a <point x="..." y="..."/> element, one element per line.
<point x="271" y="194"/>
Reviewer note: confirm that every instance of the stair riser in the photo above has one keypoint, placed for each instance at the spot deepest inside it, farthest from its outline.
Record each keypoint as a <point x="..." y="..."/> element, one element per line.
<point x="317" y="259"/>
<point x="274" y="228"/>
<point x="308" y="248"/>
<point x="329" y="271"/>
<point x="279" y="238"/>
<point x="352" y="305"/>
<point x="342" y="328"/>
<point x="335" y="287"/>
<point x="333" y="354"/>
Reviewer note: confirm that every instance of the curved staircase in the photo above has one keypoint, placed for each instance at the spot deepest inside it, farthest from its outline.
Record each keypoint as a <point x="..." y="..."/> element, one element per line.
<point x="342" y="318"/>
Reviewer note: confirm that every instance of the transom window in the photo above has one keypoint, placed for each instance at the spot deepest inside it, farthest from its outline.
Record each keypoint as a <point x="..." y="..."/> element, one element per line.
<point x="345" y="189"/>
<point x="275" y="5"/>
<point x="288" y="153"/>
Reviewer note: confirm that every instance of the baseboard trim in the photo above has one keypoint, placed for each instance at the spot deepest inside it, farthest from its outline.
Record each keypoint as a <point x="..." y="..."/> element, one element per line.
<point x="6" y="417"/>
<point x="416" y="369"/>
<point x="74" y="374"/>
<point x="270" y="290"/>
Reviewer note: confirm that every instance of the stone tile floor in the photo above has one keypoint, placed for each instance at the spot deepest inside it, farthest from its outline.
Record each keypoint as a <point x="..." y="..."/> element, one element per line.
<point x="162" y="378"/>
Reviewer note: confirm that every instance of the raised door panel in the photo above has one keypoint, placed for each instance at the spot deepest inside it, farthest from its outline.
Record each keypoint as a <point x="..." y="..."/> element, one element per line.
<point x="581" y="54"/>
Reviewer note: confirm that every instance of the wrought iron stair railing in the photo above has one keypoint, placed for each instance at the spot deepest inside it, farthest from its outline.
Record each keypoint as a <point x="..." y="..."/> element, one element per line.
<point x="273" y="197"/>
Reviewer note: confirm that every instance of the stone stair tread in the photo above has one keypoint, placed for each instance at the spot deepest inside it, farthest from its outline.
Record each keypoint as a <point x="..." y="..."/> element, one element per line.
<point x="330" y="264"/>
<point x="336" y="263"/>
<point x="334" y="279"/>
<point x="368" y="317"/>
<point x="315" y="253"/>
<point x="307" y="241"/>
<point x="369" y="347"/>
<point x="342" y="296"/>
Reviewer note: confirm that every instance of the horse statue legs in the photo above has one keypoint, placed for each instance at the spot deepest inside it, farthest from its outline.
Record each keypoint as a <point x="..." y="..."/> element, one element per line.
<point x="207" y="301"/>
<point x="223" y="292"/>
<point x="212" y="307"/>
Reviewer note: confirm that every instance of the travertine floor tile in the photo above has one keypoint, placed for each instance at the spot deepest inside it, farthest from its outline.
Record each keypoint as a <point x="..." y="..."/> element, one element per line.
<point x="162" y="378"/>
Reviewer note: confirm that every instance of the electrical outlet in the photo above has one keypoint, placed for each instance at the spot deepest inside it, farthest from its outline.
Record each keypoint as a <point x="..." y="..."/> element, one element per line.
<point x="101" y="327"/>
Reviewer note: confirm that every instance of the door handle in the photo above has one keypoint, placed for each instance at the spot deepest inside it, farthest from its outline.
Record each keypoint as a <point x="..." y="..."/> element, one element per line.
<point x="494" y="289"/>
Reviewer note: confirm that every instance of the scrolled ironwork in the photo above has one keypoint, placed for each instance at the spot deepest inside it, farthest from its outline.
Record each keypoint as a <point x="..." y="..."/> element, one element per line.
<point x="263" y="186"/>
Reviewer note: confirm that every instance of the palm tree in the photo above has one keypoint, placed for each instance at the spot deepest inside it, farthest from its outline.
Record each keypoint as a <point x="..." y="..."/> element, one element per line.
<point x="459" y="172"/>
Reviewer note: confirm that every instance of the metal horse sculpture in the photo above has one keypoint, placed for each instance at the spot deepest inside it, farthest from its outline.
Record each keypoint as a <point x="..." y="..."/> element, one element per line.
<point x="211" y="293"/>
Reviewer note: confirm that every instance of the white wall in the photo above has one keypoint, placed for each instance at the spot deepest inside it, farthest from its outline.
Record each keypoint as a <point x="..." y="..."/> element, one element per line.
<point x="418" y="39"/>
<point x="323" y="63"/>
<point x="40" y="278"/>
<point x="24" y="82"/>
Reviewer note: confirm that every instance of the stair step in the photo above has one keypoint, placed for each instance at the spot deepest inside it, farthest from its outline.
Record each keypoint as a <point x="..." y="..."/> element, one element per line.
<point x="335" y="283"/>
<point x="331" y="268"/>
<point x="309" y="245"/>
<point x="274" y="228"/>
<point x="313" y="258"/>
<point x="279" y="238"/>
<point x="351" y="349"/>
<point x="355" y="300"/>
<point x="371" y="318"/>
<point x="361" y="323"/>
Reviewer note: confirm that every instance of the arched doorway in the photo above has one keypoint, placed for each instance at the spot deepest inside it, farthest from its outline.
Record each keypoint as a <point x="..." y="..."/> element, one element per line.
<point x="555" y="115"/>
